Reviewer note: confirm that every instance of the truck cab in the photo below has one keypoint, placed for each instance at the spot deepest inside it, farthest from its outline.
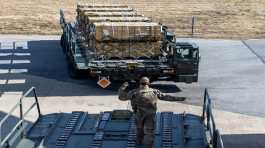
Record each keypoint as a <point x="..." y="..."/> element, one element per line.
<point x="184" y="57"/>
<point x="186" y="61"/>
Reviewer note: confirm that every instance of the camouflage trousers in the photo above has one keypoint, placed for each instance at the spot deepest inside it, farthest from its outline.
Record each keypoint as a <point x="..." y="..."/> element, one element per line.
<point x="145" y="124"/>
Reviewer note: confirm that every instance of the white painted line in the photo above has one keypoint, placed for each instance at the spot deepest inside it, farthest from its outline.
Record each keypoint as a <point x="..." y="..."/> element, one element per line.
<point x="2" y="71"/>
<point x="13" y="81"/>
<point x="12" y="93"/>
<point x="21" y="61"/>
<point x="16" y="81"/>
<point x="22" y="54"/>
<point x="5" y="54"/>
<point x="7" y="45"/>
<point x="18" y="70"/>
<point x="5" y="61"/>
<point x="16" y="54"/>
<point x="3" y="81"/>
<point x="14" y="45"/>
<point x="21" y="45"/>
<point x="15" y="61"/>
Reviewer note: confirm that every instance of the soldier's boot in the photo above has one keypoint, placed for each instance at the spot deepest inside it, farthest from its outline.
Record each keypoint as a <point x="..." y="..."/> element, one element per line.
<point x="139" y="136"/>
<point x="139" y="141"/>
<point x="149" y="145"/>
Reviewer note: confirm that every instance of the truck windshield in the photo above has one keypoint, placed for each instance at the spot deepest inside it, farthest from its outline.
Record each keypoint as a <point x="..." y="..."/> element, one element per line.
<point x="186" y="53"/>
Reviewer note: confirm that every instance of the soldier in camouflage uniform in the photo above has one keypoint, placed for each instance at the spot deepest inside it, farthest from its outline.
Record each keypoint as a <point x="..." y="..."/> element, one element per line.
<point x="143" y="101"/>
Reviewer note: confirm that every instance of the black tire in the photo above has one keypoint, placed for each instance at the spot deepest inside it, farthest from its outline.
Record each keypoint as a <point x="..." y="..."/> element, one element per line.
<point x="73" y="72"/>
<point x="153" y="80"/>
<point x="143" y="58"/>
<point x="62" y="42"/>
<point x="114" y="58"/>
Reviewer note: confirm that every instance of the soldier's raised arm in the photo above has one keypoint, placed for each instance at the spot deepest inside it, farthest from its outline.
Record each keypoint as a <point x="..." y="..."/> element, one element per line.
<point x="165" y="97"/>
<point x="124" y="94"/>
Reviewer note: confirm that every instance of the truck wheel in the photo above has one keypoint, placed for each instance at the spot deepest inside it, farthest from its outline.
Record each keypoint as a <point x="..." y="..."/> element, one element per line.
<point x="153" y="80"/>
<point x="62" y="42"/>
<point x="73" y="72"/>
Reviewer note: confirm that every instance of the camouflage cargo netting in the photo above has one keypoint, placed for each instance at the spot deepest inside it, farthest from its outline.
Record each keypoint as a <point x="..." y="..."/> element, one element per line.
<point x="119" y="31"/>
<point x="131" y="49"/>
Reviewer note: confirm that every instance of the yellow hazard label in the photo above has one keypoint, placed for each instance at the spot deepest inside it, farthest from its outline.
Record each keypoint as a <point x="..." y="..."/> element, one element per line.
<point x="104" y="82"/>
<point x="131" y="65"/>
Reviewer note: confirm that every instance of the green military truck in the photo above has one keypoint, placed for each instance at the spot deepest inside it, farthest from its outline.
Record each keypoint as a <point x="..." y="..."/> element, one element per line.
<point x="116" y="43"/>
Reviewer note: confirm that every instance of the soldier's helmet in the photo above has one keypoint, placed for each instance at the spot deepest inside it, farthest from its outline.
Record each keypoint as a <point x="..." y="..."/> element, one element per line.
<point x="144" y="81"/>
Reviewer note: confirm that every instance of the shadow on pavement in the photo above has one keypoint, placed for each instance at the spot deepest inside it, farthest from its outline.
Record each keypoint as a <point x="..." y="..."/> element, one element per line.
<point x="244" y="140"/>
<point x="44" y="66"/>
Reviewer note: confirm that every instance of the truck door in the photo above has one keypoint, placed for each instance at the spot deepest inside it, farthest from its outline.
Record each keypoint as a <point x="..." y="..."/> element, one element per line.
<point x="186" y="61"/>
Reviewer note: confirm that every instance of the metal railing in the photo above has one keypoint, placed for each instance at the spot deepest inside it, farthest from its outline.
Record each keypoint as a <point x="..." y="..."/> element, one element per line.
<point x="20" y="126"/>
<point x="207" y="116"/>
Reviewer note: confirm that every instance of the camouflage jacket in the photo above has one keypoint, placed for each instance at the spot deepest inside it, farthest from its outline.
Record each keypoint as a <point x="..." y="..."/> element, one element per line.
<point x="145" y="99"/>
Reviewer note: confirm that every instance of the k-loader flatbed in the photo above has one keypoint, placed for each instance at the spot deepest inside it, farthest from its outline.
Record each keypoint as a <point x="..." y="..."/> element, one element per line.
<point x="114" y="42"/>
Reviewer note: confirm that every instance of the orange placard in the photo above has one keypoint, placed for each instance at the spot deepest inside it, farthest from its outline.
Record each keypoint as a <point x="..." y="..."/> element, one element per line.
<point x="104" y="82"/>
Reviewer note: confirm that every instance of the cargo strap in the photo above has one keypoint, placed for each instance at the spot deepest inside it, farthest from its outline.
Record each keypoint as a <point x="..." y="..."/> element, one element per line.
<point x="99" y="135"/>
<point x="132" y="134"/>
<point x="68" y="129"/>
<point x="167" y="129"/>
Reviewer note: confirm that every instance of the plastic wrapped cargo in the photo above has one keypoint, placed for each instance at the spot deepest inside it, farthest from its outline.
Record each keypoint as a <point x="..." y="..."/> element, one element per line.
<point x="129" y="31"/>
<point x="119" y="19"/>
<point x="118" y="31"/>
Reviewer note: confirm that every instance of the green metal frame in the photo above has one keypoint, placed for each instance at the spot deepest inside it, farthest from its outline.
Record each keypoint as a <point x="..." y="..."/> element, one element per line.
<point x="20" y="126"/>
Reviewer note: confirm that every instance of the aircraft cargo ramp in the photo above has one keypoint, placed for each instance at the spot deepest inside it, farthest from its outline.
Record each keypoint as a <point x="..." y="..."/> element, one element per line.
<point x="78" y="130"/>
<point x="110" y="129"/>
